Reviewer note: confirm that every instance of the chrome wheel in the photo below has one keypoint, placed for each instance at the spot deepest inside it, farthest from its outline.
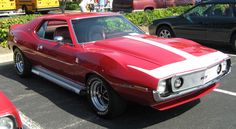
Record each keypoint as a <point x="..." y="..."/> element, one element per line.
<point x="19" y="62"/>
<point x="165" y="33"/>
<point x="99" y="95"/>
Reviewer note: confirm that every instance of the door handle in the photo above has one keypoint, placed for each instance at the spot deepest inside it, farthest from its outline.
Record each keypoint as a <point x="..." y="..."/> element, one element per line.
<point x="40" y="47"/>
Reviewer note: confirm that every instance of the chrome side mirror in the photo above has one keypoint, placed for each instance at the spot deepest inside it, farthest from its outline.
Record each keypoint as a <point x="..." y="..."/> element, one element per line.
<point x="58" y="39"/>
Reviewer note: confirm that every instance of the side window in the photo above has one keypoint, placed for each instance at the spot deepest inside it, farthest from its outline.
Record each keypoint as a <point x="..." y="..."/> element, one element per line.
<point x="201" y="10"/>
<point x="52" y="28"/>
<point x="42" y="29"/>
<point x="222" y="10"/>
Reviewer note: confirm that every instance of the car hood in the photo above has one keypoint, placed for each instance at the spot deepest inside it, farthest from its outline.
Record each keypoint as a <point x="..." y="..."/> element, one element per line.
<point x="151" y="48"/>
<point x="8" y="108"/>
<point x="5" y="104"/>
<point x="158" y="52"/>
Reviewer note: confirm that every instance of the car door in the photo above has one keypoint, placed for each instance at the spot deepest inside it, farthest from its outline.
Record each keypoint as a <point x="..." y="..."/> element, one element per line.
<point x="221" y="21"/>
<point x="59" y="57"/>
<point x="192" y="24"/>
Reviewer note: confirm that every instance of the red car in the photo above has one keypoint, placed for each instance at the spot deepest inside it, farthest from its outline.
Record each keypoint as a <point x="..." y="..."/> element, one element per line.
<point x="106" y="57"/>
<point x="9" y="117"/>
<point x="130" y="5"/>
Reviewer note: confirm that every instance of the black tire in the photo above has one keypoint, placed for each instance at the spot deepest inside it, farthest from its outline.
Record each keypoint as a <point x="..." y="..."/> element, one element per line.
<point x="162" y="29"/>
<point x="148" y="9"/>
<point x="115" y="105"/>
<point x="22" y="66"/>
<point x="233" y="42"/>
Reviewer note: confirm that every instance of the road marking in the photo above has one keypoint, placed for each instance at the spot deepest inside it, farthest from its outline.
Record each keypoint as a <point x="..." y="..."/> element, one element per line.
<point x="225" y="92"/>
<point x="6" y="58"/>
<point x="232" y="55"/>
<point x="28" y="123"/>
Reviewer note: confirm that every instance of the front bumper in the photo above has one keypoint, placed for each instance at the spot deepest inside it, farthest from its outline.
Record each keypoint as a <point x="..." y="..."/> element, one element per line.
<point x="181" y="97"/>
<point x="180" y="100"/>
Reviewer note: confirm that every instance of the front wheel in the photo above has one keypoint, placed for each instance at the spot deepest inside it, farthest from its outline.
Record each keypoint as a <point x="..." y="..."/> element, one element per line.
<point x="165" y="32"/>
<point x="22" y="65"/>
<point x="103" y="100"/>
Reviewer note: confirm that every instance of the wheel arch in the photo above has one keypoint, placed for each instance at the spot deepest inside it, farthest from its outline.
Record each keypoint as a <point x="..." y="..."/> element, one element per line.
<point x="14" y="47"/>
<point x="148" y="8"/>
<point x="163" y="24"/>
<point x="232" y="35"/>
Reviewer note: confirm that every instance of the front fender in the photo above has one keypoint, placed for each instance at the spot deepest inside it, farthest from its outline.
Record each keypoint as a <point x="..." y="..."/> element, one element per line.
<point x="114" y="68"/>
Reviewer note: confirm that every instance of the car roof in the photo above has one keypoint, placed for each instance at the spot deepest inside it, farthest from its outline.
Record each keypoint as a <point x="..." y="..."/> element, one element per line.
<point x="219" y="1"/>
<point x="79" y="15"/>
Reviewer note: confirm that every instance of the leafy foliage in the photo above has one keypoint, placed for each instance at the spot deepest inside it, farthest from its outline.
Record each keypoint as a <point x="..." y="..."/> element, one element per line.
<point x="145" y="18"/>
<point x="5" y="23"/>
<point x="72" y="5"/>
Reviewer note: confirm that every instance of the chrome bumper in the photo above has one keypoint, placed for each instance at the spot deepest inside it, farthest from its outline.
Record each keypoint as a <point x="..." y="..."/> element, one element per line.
<point x="158" y="98"/>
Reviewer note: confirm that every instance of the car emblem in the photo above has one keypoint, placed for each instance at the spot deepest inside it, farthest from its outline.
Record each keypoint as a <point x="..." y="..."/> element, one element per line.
<point x="204" y="77"/>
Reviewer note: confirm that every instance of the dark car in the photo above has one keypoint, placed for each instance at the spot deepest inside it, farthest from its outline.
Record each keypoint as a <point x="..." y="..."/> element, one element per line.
<point x="207" y="22"/>
<point x="130" y="5"/>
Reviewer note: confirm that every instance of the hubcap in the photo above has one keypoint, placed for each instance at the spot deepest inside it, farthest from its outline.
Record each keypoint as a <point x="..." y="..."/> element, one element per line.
<point x="165" y="33"/>
<point x="19" y="62"/>
<point x="99" y="95"/>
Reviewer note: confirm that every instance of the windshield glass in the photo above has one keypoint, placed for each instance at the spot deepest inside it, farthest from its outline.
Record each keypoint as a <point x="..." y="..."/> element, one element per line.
<point x="99" y="28"/>
<point x="199" y="11"/>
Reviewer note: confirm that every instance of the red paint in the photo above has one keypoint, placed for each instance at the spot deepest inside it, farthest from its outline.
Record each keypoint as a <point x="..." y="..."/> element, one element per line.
<point x="185" y="99"/>
<point x="7" y="108"/>
<point x="119" y="5"/>
<point x="108" y="58"/>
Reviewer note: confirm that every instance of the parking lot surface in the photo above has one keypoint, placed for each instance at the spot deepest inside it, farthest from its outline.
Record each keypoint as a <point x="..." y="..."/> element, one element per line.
<point x="44" y="105"/>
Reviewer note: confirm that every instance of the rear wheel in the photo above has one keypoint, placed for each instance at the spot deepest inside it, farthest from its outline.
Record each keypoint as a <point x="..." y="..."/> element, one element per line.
<point x="165" y="32"/>
<point x="103" y="100"/>
<point x="22" y="65"/>
<point x="233" y="42"/>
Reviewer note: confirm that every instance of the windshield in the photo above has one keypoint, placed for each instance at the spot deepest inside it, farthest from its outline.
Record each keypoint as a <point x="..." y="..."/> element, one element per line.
<point x="99" y="28"/>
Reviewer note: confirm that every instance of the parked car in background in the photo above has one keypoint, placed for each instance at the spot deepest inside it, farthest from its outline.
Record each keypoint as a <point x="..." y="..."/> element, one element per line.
<point x="7" y="6"/>
<point x="9" y="117"/>
<point x="130" y="5"/>
<point x="106" y="57"/>
<point x="42" y="6"/>
<point x="208" y="22"/>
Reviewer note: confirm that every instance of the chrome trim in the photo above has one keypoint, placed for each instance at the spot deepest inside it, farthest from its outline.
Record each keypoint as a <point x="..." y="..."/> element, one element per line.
<point x="157" y="97"/>
<point x="58" y="79"/>
<point x="14" y="119"/>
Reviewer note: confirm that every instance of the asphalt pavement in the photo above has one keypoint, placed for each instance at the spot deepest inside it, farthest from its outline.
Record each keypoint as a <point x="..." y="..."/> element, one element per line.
<point x="44" y="105"/>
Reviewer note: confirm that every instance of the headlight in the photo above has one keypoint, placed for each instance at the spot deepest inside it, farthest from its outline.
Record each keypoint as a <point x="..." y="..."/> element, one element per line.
<point x="178" y="82"/>
<point x="161" y="87"/>
<point x="6" y="123"/>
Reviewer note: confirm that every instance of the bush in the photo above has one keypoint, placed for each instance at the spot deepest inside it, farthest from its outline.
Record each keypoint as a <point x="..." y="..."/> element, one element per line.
<point x="6" y="22"/>
<point x="72" y="5"/>
<point x="145" y="18"/>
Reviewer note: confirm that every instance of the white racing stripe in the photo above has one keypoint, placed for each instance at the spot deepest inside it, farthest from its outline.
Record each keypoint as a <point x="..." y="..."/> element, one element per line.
<point x="163" y="46"/>
<point x="28" y="123"/>
<point x="225" y="92"/>
<point x="191" y="62"/>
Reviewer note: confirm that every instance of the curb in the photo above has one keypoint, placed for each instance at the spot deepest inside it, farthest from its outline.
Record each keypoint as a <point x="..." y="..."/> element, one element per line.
<point x="4" y="58"/>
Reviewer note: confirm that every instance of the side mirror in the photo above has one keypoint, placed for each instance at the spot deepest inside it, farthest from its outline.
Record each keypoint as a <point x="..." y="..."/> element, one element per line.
<point x="58" y="39"/>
